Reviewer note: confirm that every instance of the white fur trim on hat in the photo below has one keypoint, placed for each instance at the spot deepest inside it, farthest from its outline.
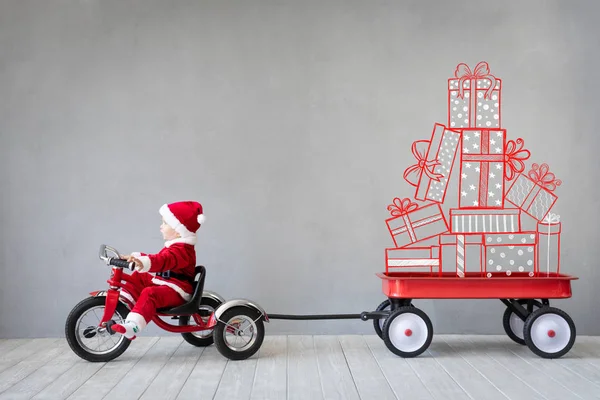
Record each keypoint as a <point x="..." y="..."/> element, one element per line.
<point x="173" y="222"/>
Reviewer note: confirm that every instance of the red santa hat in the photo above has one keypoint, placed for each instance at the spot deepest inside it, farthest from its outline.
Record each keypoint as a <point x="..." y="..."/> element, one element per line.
<point x="184" y="216"/>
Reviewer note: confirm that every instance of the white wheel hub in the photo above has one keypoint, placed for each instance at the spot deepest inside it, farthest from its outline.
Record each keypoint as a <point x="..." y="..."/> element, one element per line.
<point x="550" y="333"/>
<point x="517" y="324"/>
<point x="408" y="332"/>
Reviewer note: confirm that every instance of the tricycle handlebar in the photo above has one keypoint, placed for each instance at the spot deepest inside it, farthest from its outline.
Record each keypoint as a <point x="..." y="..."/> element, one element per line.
<point x="114" y="261"/>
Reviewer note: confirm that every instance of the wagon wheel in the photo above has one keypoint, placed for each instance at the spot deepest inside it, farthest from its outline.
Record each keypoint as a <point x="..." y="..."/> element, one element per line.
<point x="378" y="323"/>
<point x="513" y="325"/>
<point x="407" y="332"/>
<point x="549" y="332"/>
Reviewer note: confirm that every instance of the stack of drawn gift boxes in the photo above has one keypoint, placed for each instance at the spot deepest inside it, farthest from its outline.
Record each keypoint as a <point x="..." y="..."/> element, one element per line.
<point x="482" y="235"/>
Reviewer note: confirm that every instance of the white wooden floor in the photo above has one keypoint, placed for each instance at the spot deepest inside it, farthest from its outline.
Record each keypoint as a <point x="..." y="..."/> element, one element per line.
<point x="302" y="367"/>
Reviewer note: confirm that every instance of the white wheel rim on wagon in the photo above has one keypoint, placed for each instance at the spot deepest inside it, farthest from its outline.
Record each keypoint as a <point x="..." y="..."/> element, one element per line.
<point x="550" y="333"/>
<point x="517" y="324"/>
<point x="408" y="332"/>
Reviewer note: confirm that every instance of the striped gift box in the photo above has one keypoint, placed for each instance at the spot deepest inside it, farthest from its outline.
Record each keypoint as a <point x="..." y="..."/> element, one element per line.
<point x="415" y="259"/>
<point x="462" y="254"/>
<point x="506" y="220"/>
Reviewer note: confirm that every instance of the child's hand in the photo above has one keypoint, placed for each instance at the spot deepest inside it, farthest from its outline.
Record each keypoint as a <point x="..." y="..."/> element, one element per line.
<point x="130" y="258"/>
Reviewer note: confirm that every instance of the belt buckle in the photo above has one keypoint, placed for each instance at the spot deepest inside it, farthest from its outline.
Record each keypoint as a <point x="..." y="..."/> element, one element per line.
<point x="166" y="274"/>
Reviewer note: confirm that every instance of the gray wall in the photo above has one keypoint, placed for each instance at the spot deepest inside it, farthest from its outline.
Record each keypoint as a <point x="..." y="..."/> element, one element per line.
<point x="291" y="122"/>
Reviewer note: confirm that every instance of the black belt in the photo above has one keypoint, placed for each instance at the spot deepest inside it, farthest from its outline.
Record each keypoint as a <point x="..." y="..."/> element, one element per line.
<point x="169" y="275"/>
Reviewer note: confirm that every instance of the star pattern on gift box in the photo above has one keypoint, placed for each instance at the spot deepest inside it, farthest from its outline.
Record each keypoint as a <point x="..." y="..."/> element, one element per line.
<point x="490" y="189"/>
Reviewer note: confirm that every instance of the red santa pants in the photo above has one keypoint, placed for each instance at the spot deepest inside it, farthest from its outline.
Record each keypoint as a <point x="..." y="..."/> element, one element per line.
<point x="150" y="295"/>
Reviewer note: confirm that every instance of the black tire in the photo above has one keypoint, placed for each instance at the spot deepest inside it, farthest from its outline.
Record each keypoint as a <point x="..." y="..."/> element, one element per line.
<point x="73" y="338"/>
<point x="378" y="323"/>
<point x="220" y="330"/>
<point x="537" y="330"/>
<point x="191" y="337"/>
<point x="509" y="316"/>
<point x="420" y="324"/>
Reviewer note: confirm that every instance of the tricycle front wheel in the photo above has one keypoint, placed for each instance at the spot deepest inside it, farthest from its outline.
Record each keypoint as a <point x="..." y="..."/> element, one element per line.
<point x="90" y="341"/>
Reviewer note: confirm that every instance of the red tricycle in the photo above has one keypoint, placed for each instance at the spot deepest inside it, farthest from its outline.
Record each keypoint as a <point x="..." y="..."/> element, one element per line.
<point x="205" y="319"/>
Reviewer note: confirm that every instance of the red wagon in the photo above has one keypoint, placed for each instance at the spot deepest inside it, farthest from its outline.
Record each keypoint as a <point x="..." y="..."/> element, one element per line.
<point x="528" y="320"/>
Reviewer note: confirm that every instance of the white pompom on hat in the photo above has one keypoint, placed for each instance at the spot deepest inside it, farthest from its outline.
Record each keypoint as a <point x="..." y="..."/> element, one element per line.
<point x="185" y="217"/>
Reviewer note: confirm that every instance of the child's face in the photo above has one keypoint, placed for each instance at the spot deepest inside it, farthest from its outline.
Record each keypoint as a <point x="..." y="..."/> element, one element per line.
<point x="168" y="232"/>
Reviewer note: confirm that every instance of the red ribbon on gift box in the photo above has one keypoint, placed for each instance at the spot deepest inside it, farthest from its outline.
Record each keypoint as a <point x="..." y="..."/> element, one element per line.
<point x="401" y="208"/>
<point x="514" y="155"/>
<point x="413" y="173"/>
<point x="541" y="175"/>
<point x="543" y="179"/>
<point x="482" y="71"/>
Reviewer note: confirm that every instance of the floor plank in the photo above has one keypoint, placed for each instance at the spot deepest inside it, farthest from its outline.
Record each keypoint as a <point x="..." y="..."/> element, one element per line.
<point x="270" y="381"/>
<point x="135" y="382"/>
<point x="10" y="344"/>
<point x="70" y="381"/>
<point x="237" y="379"/>
<point x="368" y="377"/>
<point x="435" y="378"/>
<point x="466" y="374"/>
<point x="173" y="375"/>
<point x="205" y="376"/>
<point x="107" y="378"/>
<point x="303" y="369"/>
<point x="25" y="350"/>
<point x="567" y="378"/>
<point x="402" y="378"/>
<point x="42" y="377"/>
<point x="336" y="379"/>
<point x="500" y="376"/>
<point x="29" y="365"/>
<point x="542" y="382"/>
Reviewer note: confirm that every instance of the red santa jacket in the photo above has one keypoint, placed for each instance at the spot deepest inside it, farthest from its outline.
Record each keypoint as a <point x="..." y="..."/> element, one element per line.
<point x="178" y="256"/>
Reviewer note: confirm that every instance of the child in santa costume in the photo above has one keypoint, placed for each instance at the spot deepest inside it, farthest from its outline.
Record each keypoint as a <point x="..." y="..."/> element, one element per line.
<point x="163" y="279"/>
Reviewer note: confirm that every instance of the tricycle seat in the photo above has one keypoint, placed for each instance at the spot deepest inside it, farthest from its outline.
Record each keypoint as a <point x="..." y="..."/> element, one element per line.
<point x="192" y="306"/>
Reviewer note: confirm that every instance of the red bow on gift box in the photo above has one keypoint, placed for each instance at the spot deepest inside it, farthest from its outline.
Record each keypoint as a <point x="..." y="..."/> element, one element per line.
<point x="413" y="173"/>
<point x="482" y="71"/>
<point x="541" y="175"/>
<point x="402" y="207"/>
<point x="514" y="155"/>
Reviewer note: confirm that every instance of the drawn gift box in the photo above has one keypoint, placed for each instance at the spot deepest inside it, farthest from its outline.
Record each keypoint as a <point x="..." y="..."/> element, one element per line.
<point x="474" y="98"/>
<point x="533" y="193"/>
<point x="410" y="224"/>
<point x="485" y="220"/>
<point x="435" y="159"/>
<point x="510" y="253"/>
<point x="487" y="160"/>
<point x="548" y="246"/>
<point x="416" y="259"/>
<point x="462" y="254"/>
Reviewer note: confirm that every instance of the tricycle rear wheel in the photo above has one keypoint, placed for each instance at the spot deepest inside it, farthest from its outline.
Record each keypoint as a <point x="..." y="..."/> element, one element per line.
<point x="237" y="321"/>
<point x="78" y="337"/>
<point x="200" y="338"/>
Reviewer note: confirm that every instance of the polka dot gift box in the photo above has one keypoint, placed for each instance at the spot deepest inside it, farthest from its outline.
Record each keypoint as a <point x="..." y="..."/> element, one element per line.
<point x="510" y="254"/>
<point x="474" y="98"/>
